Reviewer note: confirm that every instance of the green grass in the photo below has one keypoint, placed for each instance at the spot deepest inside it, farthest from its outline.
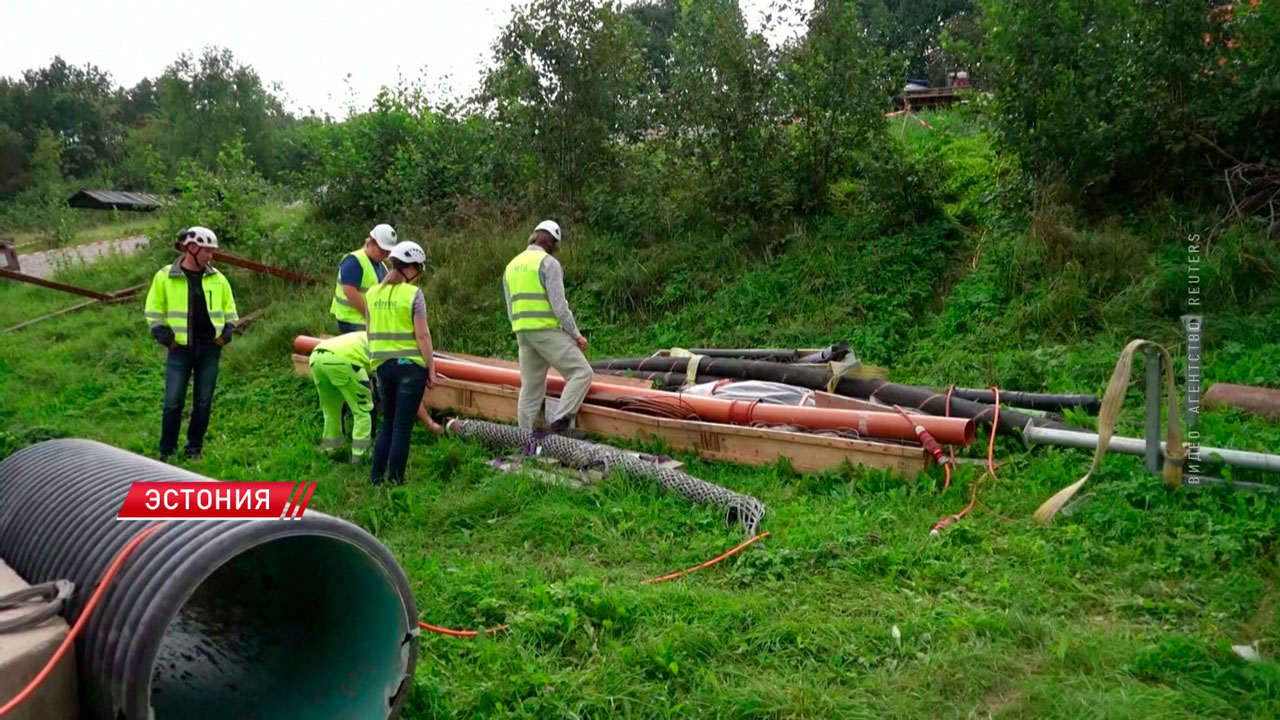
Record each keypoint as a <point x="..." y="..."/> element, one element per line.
<point x="97" y="226"/>
<point x="1126" y="607"/>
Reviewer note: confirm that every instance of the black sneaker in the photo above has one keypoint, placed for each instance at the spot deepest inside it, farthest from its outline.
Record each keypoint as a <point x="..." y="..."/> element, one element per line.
<point x="564" y="428"/>
<point x="192" y="453"/>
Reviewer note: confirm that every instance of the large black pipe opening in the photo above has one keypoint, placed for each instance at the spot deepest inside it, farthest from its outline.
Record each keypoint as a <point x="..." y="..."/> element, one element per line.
<point x="301" y="619"/>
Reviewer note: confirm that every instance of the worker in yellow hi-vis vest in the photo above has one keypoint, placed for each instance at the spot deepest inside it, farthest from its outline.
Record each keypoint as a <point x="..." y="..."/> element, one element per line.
<point x="190" y="311"/>
<point x="360" y="270"/>
<point x="545" y="330"/>
<point x="340" y="369"/>
<point x="401" y="355"/>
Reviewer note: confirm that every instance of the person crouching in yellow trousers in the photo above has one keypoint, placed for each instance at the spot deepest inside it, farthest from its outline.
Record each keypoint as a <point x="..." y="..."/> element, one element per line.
<point x="340" y="370"/>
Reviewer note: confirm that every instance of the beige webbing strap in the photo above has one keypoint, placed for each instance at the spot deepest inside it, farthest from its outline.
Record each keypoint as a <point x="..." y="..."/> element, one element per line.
<point x="840" y="370"/>
<point x="1174" y="452"/>
<point x="691" y="371"/>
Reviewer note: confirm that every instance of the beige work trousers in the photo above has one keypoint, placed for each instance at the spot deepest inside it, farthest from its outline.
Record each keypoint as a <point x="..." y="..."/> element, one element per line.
<point x="554" y="348"/>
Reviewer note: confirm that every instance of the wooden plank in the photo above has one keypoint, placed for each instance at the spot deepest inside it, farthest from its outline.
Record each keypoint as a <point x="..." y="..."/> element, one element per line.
<point x="713" y="441"/>
<point x="751" y="446"/>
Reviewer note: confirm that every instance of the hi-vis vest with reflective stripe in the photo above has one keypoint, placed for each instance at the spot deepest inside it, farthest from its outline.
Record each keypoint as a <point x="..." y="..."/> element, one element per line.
<point x="167" y="300"/>
<point x="530" y="306"/>
<point x="352" y="348"/>
<point x="391" y="323"/>
<point x="341" y="306"/>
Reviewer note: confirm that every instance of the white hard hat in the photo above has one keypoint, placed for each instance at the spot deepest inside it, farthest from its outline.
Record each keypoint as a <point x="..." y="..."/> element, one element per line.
<point x="410" y="252"/>
<point x="384" y="235"/>
<point x="551" y="227"/>
<point x="201" y="236"/>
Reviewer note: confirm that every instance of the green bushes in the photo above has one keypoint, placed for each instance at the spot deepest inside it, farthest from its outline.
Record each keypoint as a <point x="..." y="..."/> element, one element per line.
<point x="1122" y="100"/>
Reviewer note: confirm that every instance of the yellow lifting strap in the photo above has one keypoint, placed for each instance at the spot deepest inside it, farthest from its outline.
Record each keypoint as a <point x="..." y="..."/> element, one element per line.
<point x="1175" y="453"/>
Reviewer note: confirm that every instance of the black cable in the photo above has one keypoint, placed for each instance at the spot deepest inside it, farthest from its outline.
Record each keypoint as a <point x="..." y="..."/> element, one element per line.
<point x="54" y="594"/>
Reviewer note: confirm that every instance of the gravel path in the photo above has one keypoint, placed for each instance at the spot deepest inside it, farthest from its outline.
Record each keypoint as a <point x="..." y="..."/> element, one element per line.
<point x="44" y="264"/>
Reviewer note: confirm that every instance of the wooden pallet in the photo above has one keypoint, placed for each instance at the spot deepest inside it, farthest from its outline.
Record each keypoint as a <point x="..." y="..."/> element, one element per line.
<point x="712" y="441"/>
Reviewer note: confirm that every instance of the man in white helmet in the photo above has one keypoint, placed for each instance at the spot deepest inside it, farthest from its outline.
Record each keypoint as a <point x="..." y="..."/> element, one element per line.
<point x="546" y="332"/>
<point x="191" y="311"/>
<point x="360" y="270"/>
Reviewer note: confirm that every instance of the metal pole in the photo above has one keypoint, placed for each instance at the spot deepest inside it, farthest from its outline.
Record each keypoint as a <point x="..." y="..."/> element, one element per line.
<point x="1237" y="485"/>
<point x="1153" y="409"/>
<point x="1192" y="324"/>
<point x="1138" y="446"/>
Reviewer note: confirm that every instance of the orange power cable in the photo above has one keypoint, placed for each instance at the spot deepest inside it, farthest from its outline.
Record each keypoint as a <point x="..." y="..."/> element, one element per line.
<point x="459" y="633"/>
<point x="991" y="470"/>
<point x="712" y="561"/>
<point x="80" y="621"/>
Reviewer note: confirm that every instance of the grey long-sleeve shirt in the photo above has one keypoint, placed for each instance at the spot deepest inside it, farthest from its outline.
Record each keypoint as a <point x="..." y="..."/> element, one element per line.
<point x="552" y="277"/>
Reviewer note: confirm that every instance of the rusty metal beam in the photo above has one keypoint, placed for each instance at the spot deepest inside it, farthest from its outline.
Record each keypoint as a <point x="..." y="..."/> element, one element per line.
<point x="247" y="320"/>
<point x="259" y="267"/>
<point x="23" y="277"/>
<point x="115" y="297"/>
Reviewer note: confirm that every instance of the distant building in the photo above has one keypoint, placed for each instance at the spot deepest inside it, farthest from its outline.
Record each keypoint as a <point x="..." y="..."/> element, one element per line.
<point x="114" y="200"/>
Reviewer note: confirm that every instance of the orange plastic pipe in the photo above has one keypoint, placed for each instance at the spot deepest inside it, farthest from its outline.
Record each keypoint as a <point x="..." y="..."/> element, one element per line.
<point x="953" y="431"/>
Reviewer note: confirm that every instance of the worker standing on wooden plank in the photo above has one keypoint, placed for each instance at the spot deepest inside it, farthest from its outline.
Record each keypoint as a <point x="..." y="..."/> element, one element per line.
<point x="191" y="311"/>
<point x="360" y="270"/>
<point x="340" y="369"/>
<point x="546" y="332"/>
<point x="400" y="352"/>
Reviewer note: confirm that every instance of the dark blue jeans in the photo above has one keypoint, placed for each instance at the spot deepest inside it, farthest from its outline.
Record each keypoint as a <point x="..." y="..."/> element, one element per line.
<point x="346" y="327"/>
<point x="185" y="361"/>
<point x="400" y="387"/>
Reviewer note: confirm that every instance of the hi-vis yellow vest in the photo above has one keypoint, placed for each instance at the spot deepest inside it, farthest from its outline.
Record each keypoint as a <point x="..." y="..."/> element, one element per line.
<point x="352" y="348"/>
<point x="391" y="324"/>
<point x="341" y="306"/>
<point x="167" y="300"/>
<point x="530" y="307"/>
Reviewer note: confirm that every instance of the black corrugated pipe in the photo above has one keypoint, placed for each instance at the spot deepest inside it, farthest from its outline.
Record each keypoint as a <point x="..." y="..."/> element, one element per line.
<point x="305" y="619"/>
<point x="1035" y="401"/>
<point x="908" y="396"/>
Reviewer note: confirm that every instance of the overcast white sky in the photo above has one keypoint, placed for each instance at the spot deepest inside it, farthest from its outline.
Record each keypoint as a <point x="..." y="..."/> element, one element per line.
<point x="327" y="55"/>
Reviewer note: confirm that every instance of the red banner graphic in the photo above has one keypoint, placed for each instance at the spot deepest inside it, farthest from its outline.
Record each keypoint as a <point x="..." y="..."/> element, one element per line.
<point x="216" y="500"/>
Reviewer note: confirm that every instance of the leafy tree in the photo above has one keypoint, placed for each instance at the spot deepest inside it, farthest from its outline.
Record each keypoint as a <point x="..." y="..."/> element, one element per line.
<point x="840" y="82"/>
<point x="76" y="104"/>
<point x="564" y="85"/>
<point x="206" y="103"/>
<point x="723" y="110"/>
<point x="1116" y="98"/>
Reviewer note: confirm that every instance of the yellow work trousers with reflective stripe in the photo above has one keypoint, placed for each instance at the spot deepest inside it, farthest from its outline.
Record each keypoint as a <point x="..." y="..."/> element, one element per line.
<point x="339" y="383"/>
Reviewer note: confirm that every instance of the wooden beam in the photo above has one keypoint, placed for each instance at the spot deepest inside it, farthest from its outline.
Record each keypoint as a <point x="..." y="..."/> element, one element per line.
<point x="32" y="279"/>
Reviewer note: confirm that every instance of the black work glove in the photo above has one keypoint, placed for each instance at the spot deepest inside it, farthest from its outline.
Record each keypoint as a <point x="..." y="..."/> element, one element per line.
<point x="163" y="335"/>
<point x="225" y="337"/>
